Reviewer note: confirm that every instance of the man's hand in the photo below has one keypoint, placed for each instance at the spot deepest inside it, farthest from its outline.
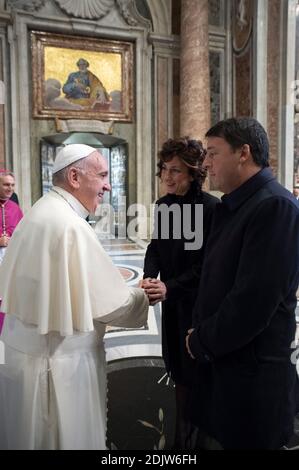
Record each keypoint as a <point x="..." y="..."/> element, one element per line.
<point x="143" y="282"/>
<point x="4" y="240"/>
<point x="154" y="289"/>
<point x="187" y="342"/>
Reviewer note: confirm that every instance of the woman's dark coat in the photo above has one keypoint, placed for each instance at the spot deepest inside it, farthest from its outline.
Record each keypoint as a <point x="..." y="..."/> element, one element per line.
<point x="178" y="269"/>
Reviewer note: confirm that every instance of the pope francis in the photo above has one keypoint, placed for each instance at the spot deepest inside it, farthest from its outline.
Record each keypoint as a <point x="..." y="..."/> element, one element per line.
<point x="59" y="290"/>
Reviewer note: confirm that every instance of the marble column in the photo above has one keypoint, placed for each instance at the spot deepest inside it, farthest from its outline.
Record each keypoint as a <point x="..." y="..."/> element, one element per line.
<point x="194" y="75"/>
<point x="273" y="81"/>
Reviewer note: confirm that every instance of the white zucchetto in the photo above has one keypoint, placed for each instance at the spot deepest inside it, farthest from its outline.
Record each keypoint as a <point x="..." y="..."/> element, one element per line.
<point x="70" y="154"/>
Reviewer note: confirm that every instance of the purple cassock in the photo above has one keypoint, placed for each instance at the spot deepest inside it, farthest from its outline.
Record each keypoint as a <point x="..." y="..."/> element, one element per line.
<point x="10" y="216"/>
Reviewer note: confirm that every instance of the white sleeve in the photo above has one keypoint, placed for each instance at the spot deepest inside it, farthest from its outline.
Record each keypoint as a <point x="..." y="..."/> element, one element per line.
<point x="133" y="314"/>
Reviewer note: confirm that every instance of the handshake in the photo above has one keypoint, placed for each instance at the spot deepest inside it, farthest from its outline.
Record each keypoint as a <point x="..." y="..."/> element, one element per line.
<point x="154" y="289"/>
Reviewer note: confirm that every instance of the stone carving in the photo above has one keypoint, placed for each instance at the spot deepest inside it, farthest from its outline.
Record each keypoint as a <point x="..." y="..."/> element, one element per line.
<point x="131" y="15"/>
<point x="241" y="14"/>
<point x="89" y="9"/>
<point x="28" y="5"/>
<point x="125" y="7"/>
<point x="96" y="9"/>
<point x="242" y="23"/>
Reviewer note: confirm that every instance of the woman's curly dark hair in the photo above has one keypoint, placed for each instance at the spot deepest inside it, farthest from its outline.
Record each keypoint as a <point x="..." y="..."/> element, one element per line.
<point x="189" y="151"/>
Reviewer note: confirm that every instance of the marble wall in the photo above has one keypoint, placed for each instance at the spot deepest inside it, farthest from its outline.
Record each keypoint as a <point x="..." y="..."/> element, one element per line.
<point x="243" y="83"/>
<point x="3" y="162"/>
<point x="172" y="78"/>
<point x="273" y="80"/>
<point x="121" y="22"/>
<point x="296" y="123"/>
<point x="162" y="99"/>
<point x="215" y="85"/>
<point x="242" y="40"/>
<point x="176" y="98"/>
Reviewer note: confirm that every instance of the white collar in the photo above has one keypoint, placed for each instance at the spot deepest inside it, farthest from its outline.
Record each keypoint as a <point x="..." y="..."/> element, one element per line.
<point x="73" y="202"/>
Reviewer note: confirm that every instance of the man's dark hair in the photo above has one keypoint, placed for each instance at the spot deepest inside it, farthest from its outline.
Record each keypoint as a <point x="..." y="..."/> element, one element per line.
<point x="189" y="151"/>
<point x="240" y="131"/>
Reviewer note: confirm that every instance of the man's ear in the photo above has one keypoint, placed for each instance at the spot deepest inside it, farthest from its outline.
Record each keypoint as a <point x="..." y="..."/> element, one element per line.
<point x="73" y="178"/>
<point x="245" y="153"/>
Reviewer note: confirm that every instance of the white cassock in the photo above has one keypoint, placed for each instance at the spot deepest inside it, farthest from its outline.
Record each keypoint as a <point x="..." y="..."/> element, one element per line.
<point x="59" y="290"/>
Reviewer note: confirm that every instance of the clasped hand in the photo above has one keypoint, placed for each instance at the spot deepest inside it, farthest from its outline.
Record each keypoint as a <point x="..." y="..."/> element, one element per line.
<point x="4" y="240"/>
<point x="154" y="289"/>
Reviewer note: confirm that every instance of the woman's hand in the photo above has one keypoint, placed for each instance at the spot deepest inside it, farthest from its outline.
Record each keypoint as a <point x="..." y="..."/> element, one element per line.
<point x="154" y="289"/>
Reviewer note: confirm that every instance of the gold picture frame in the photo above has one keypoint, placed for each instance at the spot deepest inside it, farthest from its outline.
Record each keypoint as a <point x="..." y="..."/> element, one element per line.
<point x="81" y="77"/>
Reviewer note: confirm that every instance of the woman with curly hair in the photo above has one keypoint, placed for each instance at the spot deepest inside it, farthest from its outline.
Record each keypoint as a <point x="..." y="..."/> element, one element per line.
<point x="182" y="175"/>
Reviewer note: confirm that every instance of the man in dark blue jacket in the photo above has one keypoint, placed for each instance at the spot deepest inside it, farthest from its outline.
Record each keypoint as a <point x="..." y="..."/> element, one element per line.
<point x="244" y="317"/>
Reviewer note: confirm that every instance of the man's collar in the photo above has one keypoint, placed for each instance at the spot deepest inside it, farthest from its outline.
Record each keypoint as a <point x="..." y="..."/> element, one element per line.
<point x="73" y="202"/>
<point x="237" y="197"/>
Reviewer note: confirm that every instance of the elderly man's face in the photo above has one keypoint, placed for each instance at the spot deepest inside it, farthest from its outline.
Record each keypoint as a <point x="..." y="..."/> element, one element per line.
<point x="7" y="186"/>
<point x="93" y="182"/>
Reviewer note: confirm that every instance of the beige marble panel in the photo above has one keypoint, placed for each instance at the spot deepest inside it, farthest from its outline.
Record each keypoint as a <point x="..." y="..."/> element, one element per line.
<point x="195" y="81"/>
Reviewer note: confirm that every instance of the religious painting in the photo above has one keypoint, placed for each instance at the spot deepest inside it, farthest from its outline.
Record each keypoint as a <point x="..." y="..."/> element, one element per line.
<point x="81" y="77"/>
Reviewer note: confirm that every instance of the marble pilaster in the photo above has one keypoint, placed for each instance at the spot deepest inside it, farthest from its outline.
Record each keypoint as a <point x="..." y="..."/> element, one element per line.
<point x="273" y="81"/>
<point x="195" y="83"/>
<point x="4" y="147"/>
